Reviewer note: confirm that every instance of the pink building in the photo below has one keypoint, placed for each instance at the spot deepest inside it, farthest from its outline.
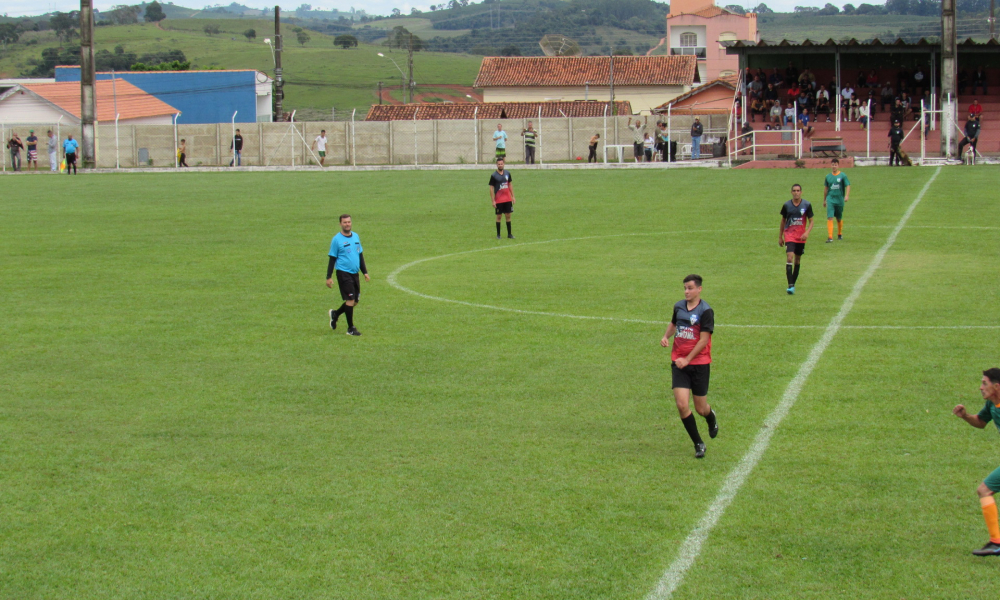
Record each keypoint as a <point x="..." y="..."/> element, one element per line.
<point x="698" y="26"/>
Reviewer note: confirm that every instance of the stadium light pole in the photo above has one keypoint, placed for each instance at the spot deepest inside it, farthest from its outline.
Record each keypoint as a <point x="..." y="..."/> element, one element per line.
<point x="402" y="75"/>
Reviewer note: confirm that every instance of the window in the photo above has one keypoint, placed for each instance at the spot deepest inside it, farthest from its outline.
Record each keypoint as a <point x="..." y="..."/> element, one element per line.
<point x="689" y="39"/>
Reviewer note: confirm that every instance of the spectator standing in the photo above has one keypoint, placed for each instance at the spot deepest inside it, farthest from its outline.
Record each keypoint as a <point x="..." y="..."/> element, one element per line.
<point x="638" y="135"/>
<point x="237" y="147"/>
<point x="594" y="139"/>
<point x="897" y="112"/>
<point x="979" y="80"/>
<point x="823" y="102"/>
<point x="696" y="132"/>
<point x="53" y="147"/>
<point x="845" y="99"/>
<point x="895" y="139"/>
<point x="32" y="141"/>
<point x="500" y="139"/>
<point x="971" y="134"/>
<point x="69" y="150"/>
<point x="15" y="145"/>
<point x="530" y="137"/>
<point x="182" y="154"/>
<point x="888" y="96"/>
<point x="319" y="144"/>
<point x="647" y="147"/>
<point x="663" y="142"/>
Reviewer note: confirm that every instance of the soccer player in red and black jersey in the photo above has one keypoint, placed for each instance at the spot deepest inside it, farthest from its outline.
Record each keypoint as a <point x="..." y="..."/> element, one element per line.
<point x="502" y="195"/>
<point x="693" y="322"/>
<point x="796" y="224"/>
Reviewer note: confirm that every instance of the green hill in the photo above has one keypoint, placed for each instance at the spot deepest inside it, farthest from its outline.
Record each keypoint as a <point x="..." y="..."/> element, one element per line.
<point x="319" y="75"/>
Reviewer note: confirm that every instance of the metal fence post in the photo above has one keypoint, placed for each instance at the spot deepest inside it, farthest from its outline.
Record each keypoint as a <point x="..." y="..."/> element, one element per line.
<point x="475" y="123"/>
<point x="354" y="147"/>
<point x="540" y="159"/>
<point x="415" y="136"/>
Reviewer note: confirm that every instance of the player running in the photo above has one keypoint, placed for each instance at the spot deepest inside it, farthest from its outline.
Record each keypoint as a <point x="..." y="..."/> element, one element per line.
<point x="990" y="389"/>
<point x="796" y="224"/>
<point x="346" y="256"/>
<point x="502" y="196"/>
<point x="693" y="322"/>
<point x="836" y="192"/>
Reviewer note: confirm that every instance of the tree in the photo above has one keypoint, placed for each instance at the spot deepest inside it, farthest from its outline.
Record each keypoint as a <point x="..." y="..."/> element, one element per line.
<point x="399" y="37"/>
<point x="414" y="11"/>
<point x="65" y="24"/>
<point x="762" y="9"/>
<point x="736" y="8"/>
<point x="396" y="12"/>
<point x="510" y="51"/>
<point x="211" y="29"/>
<point x="849" y="9"/>
<point x="8" y="34"/>
<point x="828" y="10"/>
<point x="123" y="14"/>
<point x="302" y="37"/>
<point x="154" y="12"/>
<point x="250" y="34"/>
<point x="345" y="41"/>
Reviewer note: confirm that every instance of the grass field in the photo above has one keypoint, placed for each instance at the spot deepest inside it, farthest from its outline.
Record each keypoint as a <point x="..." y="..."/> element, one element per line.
<point x="178" y="420"/>
<point x="318" y="75"/>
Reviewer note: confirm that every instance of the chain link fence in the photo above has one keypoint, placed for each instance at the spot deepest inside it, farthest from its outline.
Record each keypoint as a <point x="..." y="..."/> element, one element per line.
<point x="444" y="142"/>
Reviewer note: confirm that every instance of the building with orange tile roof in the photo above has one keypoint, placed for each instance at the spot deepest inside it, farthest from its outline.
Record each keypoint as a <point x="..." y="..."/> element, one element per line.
<point x="642" y="81"/>
<point x="698" y="28"/>
<point x="47" y="102"/>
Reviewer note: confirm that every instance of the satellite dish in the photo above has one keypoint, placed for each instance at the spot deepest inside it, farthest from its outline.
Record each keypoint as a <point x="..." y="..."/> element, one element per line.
<point x="556" y="44"/>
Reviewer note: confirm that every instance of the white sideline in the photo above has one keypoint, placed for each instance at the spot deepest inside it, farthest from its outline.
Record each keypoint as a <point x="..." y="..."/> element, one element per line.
<point x="691" y="547"/>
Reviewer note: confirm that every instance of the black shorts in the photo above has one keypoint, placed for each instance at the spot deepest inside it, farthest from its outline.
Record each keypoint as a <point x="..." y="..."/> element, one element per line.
<point x="637" y="149"/>
<point x="691" y="377"/>
<point x="504" y="208"/>
<point x="70" y="158"/>
<point x="350" y="285"/>
<point x="795" y="247"/>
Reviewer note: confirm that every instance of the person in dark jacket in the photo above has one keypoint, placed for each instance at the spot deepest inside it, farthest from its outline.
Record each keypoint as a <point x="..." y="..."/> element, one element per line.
<point x="697" y="129"/>
<point x="896" y="136"/>
<point x="971" y="134"/>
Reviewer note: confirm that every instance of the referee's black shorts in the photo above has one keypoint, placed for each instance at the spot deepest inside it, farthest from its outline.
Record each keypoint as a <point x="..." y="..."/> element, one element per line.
<point x="691" y="377"/>
<point x="350" y="285"/>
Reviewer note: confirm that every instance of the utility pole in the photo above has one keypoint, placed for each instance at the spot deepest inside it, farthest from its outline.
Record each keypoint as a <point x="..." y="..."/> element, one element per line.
<point x="611" y="62"/>
<point x="87" y="102"/>
<point x="279" y="82"/>
<point x="949" y="75"/>
<point x="413" y="84"/>
<point x="993" y="20"/>
<point x="380" y="93"/>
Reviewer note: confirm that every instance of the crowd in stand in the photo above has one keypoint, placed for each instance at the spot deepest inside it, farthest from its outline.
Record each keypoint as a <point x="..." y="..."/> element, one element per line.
<point x="792" y="98"/>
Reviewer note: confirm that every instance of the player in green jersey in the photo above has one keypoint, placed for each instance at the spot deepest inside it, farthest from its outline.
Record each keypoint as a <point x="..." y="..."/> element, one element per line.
<point x="990" y="390"/>
<point x="836" y="192"/>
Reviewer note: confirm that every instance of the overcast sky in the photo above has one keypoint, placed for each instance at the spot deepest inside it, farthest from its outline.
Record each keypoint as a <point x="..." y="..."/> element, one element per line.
<point x="381" y="7"/>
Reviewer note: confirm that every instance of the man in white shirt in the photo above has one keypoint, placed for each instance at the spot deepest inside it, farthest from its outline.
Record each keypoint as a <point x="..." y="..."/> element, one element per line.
<point x="319" y="144"/>
<point x="846" y="94"/>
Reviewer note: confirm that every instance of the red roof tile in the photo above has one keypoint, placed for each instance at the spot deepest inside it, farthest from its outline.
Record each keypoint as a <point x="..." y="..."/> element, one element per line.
<point x="132" y="102"/>
<point x="492" y="110"/>
<point x="578" y="70"/>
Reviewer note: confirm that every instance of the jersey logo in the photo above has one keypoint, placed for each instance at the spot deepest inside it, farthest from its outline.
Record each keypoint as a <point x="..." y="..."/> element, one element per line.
<point x="694" y="319"/>
<point x="802" y="210"/>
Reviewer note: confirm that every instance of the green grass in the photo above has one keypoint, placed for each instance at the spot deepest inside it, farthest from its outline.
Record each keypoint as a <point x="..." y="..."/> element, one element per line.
<point x="318" y="75"/>
<point x="795" y="27"/>
<point x="421" y="27"/>
<point x="178" y="420"/>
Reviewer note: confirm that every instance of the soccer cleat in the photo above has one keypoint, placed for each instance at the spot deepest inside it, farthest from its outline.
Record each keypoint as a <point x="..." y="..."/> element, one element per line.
<point x="790" y="290"/>
<point x="714" y="429"/>
<point x="990" y="549"/>
<point x="353" y="331"/>
<point x="498" y="237"/>
<point x="840" y="238"/>
<point x="333" y="319"/>
<point x="699" y="451"/>
<point x="829" y="240"/>
<point x="510" y="236"/>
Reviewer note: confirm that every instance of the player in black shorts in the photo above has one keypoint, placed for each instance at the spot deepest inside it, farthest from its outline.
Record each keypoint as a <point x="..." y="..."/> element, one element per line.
<point x="796" y="225"/>
<point x="692" y="325"/>
<point x="502" y="195"/>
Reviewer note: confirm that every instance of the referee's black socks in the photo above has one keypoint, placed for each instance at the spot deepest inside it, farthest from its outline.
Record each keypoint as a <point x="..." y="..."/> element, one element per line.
<point x="340" y="311"/>
<point x="795" y="274"/>
<point x="692" y="428"/>
<point x="508" y="229"/>
<point x="788" y="273"/>
<point x="498" y="228"/>
<point x="349" y="312"/>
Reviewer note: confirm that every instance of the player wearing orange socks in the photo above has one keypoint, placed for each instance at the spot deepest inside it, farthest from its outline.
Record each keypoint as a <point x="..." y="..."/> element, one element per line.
<point x="990" y="389"/>
<point x="836" y="191"/>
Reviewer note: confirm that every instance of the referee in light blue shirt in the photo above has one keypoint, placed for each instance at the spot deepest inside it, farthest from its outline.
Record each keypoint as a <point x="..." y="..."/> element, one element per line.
<point x="347" y="258"/>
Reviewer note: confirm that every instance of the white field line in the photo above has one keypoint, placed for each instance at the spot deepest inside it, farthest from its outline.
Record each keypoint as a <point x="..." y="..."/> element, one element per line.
<point x="691" y="547"/>
<point x="393" y="280"/>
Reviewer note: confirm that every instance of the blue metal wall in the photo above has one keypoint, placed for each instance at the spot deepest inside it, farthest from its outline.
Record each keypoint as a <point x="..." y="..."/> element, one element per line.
<point x="201" y="96"/>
